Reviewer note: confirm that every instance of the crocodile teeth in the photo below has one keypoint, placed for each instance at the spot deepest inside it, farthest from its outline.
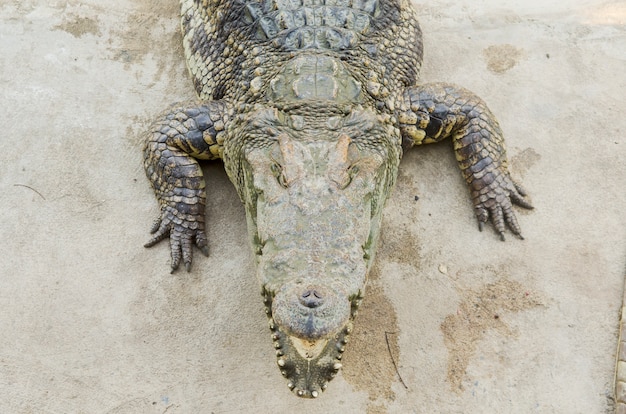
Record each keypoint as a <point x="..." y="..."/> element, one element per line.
<point x="307" y="368"/>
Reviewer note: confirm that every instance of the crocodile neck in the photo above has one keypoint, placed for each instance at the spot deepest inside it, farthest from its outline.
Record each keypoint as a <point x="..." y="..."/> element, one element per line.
<point x="314" y="77"/>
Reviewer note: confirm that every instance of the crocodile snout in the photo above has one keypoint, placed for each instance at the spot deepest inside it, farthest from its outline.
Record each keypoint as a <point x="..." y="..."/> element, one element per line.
<point x="312" y="298"/>
<point x="310" y="311"/>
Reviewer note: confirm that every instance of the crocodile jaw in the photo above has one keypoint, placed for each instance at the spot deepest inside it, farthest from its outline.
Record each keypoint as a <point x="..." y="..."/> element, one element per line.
<point x="309" y="364"/>
<point x="310" y="334"/>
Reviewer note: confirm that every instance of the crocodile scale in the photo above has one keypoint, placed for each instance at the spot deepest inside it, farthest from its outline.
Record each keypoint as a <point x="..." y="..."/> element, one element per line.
<point x="310" y="105"/>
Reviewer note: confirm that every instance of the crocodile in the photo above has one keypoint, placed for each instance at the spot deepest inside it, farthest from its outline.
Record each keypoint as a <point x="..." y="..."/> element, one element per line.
<point x="310" y="105"/>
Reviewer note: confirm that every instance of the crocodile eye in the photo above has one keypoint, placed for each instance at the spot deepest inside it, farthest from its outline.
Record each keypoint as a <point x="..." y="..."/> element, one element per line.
<point x="352" y="171"/>
<point x="344" y="179"/>
<point x="277" y="170"/>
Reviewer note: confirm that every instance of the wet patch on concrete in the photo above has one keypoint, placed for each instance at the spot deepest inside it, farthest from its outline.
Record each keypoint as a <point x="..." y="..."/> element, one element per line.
<point x="481" y="311"/>
<point x="501" y="58"/>
<point x="522" y="162"/>
<point x="79" y="26"/>
<point x="399" y="245"/>
<point x="151" y="30"/>
<point x="368" y="363"/>
<point x="376" y="409"/>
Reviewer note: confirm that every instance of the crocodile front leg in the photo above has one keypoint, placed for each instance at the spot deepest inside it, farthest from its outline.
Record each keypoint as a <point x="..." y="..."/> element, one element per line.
<point x="182" y="135"/>
<point x="432" y="112"/>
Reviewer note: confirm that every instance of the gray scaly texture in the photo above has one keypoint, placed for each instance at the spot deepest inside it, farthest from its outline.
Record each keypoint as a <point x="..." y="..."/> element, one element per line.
<point x="310" y="105"/>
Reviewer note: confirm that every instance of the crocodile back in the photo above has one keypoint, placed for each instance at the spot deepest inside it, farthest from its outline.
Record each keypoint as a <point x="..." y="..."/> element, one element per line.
<point x="235" y="48"/>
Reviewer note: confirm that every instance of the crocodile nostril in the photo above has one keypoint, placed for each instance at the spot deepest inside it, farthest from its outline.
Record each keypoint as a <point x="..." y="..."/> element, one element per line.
<point x="311" y="298"/>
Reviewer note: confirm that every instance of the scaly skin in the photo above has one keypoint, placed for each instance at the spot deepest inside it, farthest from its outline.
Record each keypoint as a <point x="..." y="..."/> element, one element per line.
<point x="310" y="104"/>
<point x="433" y="112"/>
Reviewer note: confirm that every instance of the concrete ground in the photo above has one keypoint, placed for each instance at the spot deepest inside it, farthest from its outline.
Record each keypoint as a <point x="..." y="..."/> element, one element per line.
<point x="92" y="322"/>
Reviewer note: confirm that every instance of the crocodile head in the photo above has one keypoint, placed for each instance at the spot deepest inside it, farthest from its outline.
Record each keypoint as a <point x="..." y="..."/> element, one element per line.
<point x="313" y="200"/>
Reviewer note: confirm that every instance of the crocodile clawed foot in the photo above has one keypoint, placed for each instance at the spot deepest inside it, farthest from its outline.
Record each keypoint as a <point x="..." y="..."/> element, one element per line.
<point x="495" y="202"/>
<point x="183" y="234"/>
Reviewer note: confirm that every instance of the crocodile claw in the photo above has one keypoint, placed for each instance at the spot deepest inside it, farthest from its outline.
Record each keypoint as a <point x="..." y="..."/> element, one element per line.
<point x="183" y="233"/>
<point x="495" y="202"/>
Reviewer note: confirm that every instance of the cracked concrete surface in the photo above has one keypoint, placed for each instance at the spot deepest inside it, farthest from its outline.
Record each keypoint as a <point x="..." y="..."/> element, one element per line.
<point x="94" y="323"/>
